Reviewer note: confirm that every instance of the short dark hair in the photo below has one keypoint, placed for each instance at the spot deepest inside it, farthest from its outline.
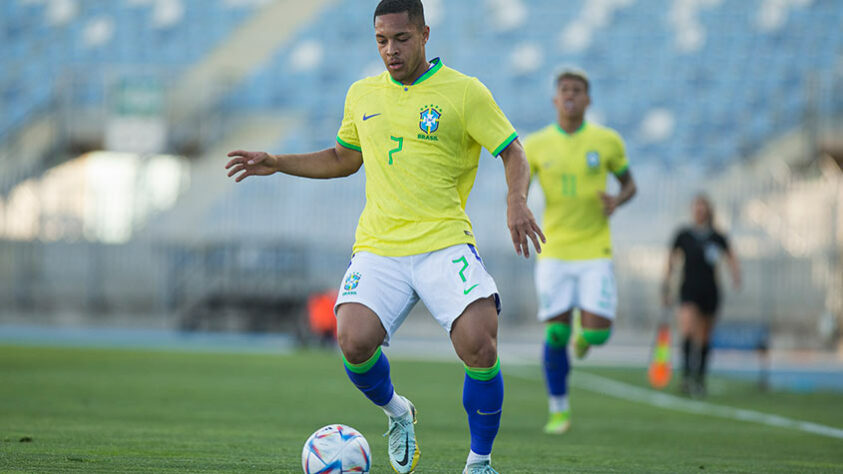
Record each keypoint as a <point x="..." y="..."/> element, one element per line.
<point x="414" y="9"/>
<point x="576" y="74"/>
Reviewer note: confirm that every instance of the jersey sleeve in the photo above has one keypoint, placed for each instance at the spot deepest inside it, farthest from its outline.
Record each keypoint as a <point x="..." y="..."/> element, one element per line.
<point x="484" y="120"/>
<point x="618" y="162"/>
<point x="347" y="135"/>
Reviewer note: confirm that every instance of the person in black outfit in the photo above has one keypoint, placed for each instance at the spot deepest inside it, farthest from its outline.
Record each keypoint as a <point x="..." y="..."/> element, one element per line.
<point x="701" y="246"/>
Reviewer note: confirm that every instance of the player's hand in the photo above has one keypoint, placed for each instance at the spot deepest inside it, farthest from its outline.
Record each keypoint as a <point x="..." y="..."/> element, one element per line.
<point x="522" y="225"/>
<point x="250" y="163"/>
<point x="610" y="203"/>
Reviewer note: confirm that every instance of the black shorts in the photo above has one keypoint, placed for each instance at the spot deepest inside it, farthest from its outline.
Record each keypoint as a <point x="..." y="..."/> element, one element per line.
<point x="706" y="298"/>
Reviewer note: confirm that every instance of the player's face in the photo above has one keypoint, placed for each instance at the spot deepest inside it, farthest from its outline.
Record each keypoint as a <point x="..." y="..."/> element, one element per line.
<point x="401" y="45"/>
<point x="571" y="98"/>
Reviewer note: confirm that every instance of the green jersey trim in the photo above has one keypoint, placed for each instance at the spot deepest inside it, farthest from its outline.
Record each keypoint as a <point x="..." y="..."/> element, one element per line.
<point x="562" y="130"/>
<point x="348" y="145"/>
<point x="621" y="171"/>
<point x="436" y="65"/>
<point x="505" y="144"/>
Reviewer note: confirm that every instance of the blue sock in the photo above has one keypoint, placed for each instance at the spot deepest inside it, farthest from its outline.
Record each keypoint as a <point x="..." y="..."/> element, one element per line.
<point x="372" y="378"/>
<point x="556" y="369"/>
<point x="482" y="397"/>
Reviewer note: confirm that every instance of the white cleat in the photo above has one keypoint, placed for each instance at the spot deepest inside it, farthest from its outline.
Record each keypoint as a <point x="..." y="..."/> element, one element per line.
<point x="484" y="467"/>
<point x="403" y="448"/>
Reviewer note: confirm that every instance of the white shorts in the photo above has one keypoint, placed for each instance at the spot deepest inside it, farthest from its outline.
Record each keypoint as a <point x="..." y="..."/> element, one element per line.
<point x="587" y="284"/>
<point x="446" y="280"/>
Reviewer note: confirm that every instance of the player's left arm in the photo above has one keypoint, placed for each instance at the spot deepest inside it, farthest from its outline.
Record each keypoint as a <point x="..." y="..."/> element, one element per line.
<point x="520" y="220"/>
<point x="619" y="166"/>
<point x="628" y="190"/>
<point x="734" y="264"/>
<point x="487" y="125"/>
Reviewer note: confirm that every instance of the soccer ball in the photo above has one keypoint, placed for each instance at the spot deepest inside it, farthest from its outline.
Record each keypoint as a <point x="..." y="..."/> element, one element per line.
<point x="336" y="449"/>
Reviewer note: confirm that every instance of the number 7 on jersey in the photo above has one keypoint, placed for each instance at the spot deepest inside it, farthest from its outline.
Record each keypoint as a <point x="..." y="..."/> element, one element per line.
<point x="400" y="146"/>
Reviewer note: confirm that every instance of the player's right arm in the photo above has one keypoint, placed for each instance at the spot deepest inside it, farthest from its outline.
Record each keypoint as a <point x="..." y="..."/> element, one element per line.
<point x="343" y="160"/>
<point x="334" y="162"/>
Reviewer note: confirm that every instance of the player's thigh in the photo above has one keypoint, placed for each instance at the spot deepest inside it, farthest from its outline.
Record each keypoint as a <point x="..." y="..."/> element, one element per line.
<point x="556" y="287"/>
<point x="451" y="279"/>
<point x="598" y="292"/>
<point x="381" y="284"/>
<point x="474" y="334"/>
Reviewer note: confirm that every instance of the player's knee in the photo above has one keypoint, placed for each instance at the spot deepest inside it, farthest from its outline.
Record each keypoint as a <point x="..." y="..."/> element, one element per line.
<point x="557" y="335"/>
<point x="482" y="353"/>
<point x="596" y="337"/>
<point x="356" y="348"/>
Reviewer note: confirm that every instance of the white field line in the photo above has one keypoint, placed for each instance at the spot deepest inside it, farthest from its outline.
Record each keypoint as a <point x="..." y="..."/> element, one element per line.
<point x="624" y="391"/>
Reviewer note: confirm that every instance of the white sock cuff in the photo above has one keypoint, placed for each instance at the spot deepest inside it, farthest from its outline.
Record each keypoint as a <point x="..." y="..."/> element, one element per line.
<point x="396" y="406"/>
<point x="558" y="404"/>
<point x="475" y="458"/>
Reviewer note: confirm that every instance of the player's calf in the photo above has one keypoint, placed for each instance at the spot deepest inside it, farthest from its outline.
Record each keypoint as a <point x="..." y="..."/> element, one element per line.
<point x="556" y="368"/>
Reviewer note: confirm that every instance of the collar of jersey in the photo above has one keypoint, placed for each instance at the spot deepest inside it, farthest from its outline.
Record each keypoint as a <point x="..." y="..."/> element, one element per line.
<point x="562" y="130"/>
<point x="435" y="66"/>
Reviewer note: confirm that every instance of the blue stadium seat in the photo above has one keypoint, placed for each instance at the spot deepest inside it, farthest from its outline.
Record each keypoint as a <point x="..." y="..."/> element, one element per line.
<point x="739" y="72"/>
<point x="30" y="43"/>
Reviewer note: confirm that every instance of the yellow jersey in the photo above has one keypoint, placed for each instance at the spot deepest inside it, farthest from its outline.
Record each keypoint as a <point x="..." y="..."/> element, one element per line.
<point x="572" y="171"/>
<point x="421" y="147"/>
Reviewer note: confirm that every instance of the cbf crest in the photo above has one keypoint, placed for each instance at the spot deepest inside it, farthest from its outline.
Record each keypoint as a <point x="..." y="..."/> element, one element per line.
<point x="352" y="281"/>
<point x="429" y="119"/>
<point x="592" y="159"/>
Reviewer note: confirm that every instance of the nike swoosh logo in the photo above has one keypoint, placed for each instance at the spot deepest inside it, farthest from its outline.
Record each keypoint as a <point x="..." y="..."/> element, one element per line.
<point x="496" y="412"/>
<point x="406" y="459"/>
<point x="465" y="292"/>
<point x="367" y="117"/>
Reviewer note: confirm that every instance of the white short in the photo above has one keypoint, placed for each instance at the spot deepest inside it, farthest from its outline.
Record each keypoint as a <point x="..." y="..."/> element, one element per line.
<point x="446" y="280"/>
<point x="588" y="285"/>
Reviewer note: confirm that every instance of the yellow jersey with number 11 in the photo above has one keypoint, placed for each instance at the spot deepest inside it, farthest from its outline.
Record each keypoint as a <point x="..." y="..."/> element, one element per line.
<point x="421" y="146"/>
<point x="572" y="171"/>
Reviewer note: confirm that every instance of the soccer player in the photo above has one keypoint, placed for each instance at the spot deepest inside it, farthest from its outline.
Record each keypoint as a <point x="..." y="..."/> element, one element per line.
<point x="702" y="246"/>
<point x="417" y="129"/>
<point x="571" y="159"/>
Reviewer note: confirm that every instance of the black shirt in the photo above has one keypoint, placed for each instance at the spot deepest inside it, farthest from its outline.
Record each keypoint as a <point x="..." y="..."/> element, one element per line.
<point x="702" y="249"/>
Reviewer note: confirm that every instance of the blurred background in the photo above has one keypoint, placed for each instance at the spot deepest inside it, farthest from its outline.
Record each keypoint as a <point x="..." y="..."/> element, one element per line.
<point x="116" y="116"/>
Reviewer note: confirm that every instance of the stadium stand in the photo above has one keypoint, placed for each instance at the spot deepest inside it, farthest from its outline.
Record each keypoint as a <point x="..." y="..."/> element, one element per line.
<point x="44" y="40"/>
<point x="716" y="78"/>
<point x="705" y="69"/>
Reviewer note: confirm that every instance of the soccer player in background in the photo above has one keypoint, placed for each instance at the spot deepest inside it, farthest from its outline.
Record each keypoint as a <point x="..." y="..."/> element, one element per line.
<point x="418" y="129"/>
<point x="701" y="246"/>
<point x="571" y="159"/>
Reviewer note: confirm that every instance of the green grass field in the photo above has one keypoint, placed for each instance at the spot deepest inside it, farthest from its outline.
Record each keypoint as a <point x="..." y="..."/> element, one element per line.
<point x="90" y="410"/>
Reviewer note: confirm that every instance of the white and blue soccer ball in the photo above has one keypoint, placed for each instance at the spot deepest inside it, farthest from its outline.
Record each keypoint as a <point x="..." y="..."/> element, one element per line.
<point x="336" y="449"/>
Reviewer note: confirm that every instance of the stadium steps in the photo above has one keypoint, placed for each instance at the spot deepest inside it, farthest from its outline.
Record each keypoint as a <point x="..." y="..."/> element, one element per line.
<point x="247" y="48"/>
<point x="24" y="156"/>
